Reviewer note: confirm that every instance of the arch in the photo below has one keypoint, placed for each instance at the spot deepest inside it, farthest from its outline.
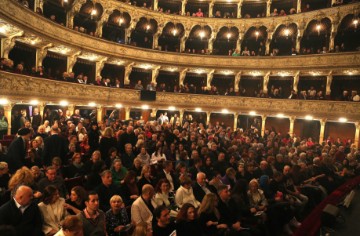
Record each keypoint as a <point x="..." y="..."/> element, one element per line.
<point x="253" y="41"/>
<point x="197" y="42"/>
<point x="114" y="28"/>
<point x="143" y="33"/>
<point x="284" y="39"/>
<point x="171" y="34"/>
<point x="86" y="19"/>
<point x="348" y="34"/>
<point x="316" y="36"/>
<point x="226" y="39"/>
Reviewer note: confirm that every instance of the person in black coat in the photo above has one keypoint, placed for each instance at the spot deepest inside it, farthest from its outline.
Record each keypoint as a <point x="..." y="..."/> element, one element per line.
<point x="54" y="146"/>
<point x="106" y="190"/>
<point x="201" y="187"/>
<point x="94" y="136"/>
<point x="126" y="137"/>
<point x="17" y="150"/>
<point x="22" y="213"/>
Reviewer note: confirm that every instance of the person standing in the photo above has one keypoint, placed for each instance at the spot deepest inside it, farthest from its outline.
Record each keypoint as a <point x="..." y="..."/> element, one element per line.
<point x="17" y="150"/>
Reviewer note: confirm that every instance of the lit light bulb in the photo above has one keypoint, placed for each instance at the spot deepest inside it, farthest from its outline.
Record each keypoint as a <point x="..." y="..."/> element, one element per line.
<point x="257" y="33"/>
<point x="318" y="27"/>
<point x="121" y="20"/>
<point x="228" y="36"/>
<point x="93" y="12"/>
<point x="174" y="32"/>
<point x="202" y="34"/>
<point x="147" y="27"/>
<point x="287" y="32"/>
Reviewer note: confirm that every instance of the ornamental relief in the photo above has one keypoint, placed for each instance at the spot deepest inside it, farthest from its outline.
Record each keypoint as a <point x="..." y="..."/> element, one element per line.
<point x="17" y="87"/>
<point x="54" y="33"/>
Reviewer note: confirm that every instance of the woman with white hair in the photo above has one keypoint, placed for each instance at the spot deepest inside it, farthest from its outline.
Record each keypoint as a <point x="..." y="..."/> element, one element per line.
<point x="117" y="219"/>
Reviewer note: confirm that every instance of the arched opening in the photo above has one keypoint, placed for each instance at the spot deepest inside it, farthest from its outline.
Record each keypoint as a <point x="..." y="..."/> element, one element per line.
<point x="225" y="42"/>
<point x="114" y="28"/>
<point x="142" y="36"/>
<point x="85" y="21"/>
<point x="198" y="39"/>
<point x="348" y="34"/>
<point x="316" y="37"/>
<point x="284" y="40"/>
<point x="169" y="39"/>
<point x="254" y="41"/>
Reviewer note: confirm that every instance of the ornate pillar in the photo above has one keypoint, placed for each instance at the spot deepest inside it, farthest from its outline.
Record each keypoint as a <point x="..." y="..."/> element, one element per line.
<point x="329" y="79"/>
<point x="99" y="25"/>
<point x="156" y="5"/>
<point x="156" y="38"/>
<point x="71" y="108"/>
<point x="209" y="78"/>
<point x="298" y="39"/>
<point x="322" y="130"/>
<point x="357" y="134"/>
<point x="181" y="115"/>
<point x="268" y="41"/>
<point x="99" y="113"/>
<point x="155" y="73"/>
<point x="71" y="60"/>
<point x="237" y="81"/>
<point x="268" y="6"/>
<point x="153" y="112"/>
<point x="71" y="14"/>
<point x="296" y="81"/>
<point x="298" y="6"/>
<point x="211" y="41"/>
<point x="211" y="8"/>
<point x="127" y="73"/>
<point x="7" y="114"/>
<point x="99" y="65"/>
<point x="39" y="3"/>
<point x="129" y="30"/>
<point x="7" y="44"/>
<point x="41" y="107"/>
<point x="127" y="113"/>
<point x="235" y="120"/>
<point x="263" y="122"/>
<point x="291" y="129"/>
<point x="182" y="76"/>
<point x="334" y="27"/>
<point x="183" y="7"/>
<point x="183" y="40"/>
<point x="239" y="40"/>
<point x="40" y="56"/>
<point x="208" y="113"/>
<point x="266" y="81"/>
<point x="239" y="5"/>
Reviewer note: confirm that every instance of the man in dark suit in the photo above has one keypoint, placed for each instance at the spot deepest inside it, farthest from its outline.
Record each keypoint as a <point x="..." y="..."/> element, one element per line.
<point x="17" y="150"/>
<point x="167" y="173"/>
<point x="54" y="146"/>
<point x="36" y="119"/>
<point x="201" y="188"/>
<point x="126" y="137"/>
<point x="22" y="213"/>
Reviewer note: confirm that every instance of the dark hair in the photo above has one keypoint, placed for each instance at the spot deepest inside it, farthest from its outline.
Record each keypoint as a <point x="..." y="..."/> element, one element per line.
<point x="158" y="210"/>
<point x="129" y="175"/>
<point x="49" y="192"/>
<point x="182" y="215"/>
<point x="87" y="198"/>
<point x="160" y="182"/>
<point x="111" y="150"/>
<point x="80" y="192"/>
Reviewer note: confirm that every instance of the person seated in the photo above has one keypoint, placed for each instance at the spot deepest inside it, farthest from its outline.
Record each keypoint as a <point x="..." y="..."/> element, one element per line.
<point x="117" y="219"/>
<point x="163" y="226"/>
<point x="106" y="190"/>
<point x="142" y="208"/>
<point x="118" y="172"/>
<point x="167" y="172"/>
<point x="129" y="188"/>
<point x="52" y="209"/>
<point x="52" y="179"/>
<point x="199" y="13"/>
<point x="76" y="203"/>
<point x="72" y="225"/>
<point x="187" y="221"/>
<point x="201" y="187"/>
<point x="185" y="194"/>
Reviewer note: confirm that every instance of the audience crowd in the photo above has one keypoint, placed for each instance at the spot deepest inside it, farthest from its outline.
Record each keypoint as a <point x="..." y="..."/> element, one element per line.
<point x="66" y="173"/>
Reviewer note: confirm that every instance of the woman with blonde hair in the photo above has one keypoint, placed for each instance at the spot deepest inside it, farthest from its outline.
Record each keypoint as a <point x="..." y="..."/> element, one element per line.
<point x="141" y="230"/>
<point x="209" y="215"/>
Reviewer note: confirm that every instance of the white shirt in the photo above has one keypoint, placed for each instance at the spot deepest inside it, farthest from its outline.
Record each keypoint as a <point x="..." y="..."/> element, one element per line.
<point x="21" y="208"/>
<point x="169" y="177"/>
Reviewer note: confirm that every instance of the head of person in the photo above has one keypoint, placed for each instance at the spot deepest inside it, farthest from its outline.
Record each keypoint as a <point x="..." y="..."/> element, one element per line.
<point x="23" y="195"/>
<point x="163" y="186"/>
<point x="96" y="156"/>
<point x="162" y="215"/>
<point x="72" y="226"/>
<point x="77" y="194"/>
<point x="51" y="173"/>
<point x="201" y="178"/>
<point x="187" y="213"/>
<point x="224" y="193"/>
<point x="253" y="185"/>
<point x="50" y="194"/>
<point x="116" y="203"/>
<point x="92" y="201"/>
<point x="208" y="204"/>
<point x="128" y="148"/>
<point x="130" y="178"/>
<point x="117" y="165"/>
<point x="147" y="192"/>
<point x="146" y="171"/>
<point x="168" y="166"/>
<point x="106" y="178"/>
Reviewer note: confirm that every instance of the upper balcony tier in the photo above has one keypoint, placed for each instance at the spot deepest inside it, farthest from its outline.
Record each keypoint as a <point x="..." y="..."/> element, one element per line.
<point x="43" y="34"/>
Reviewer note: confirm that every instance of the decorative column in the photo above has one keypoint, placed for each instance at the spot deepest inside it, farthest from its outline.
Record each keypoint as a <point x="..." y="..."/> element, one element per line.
<point x="156" y="38"/>
<point x="357" y="134"/>
<point x="211" y="8"/>
<point x="239" y="5"/>
<point x="71" y="60"/>
<point x="263" y="121"/>
<point x="153" y="112"/>
<point x="182" y="76"/>
<point x="99" y="113"/>
<point x="235" y="120"/>
<point x="298" y="39"/>
<point x="208" y="113"/>
<point x="209" y="78"/>
<point x="7" y="44"/>
<point x="183" y="7"/>
<point x="266" y="81"/>
<point x="329" y="79"/>
<point x="156" y="5"/>
<point x="291" y="129"/>
<point x="7" y="114"/>
<point x="239" y="40"/>
<point x="40" y="56"/>
<point x="296" y="81"/>
<point x="268" y="41"/>
<point x="99" y="65"/>
<point x="129" y="30"/>
<point x="334" y="27"/>
<point x="183" y="41"/>
<point x="237" y="81"/>
<point x="127" y="73"/>
<point x="127" y="113"/>
<point x="268" y="6"/>
<point x="99" y="25"/>
<point x="181" y="115"/>
<point x="211" y="41"/>
<point x="39" y="3"/>
<point x="41" y="107"/>
<point x="298" y="6"/>
<point x="155" y="73"/>
<point x="322" y="130"/>
<point x="71" y="14"/>
<point x="71" y="108"/>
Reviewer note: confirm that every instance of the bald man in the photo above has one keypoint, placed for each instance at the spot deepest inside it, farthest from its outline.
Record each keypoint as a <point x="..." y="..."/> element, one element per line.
<point x="22" y="213"/>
